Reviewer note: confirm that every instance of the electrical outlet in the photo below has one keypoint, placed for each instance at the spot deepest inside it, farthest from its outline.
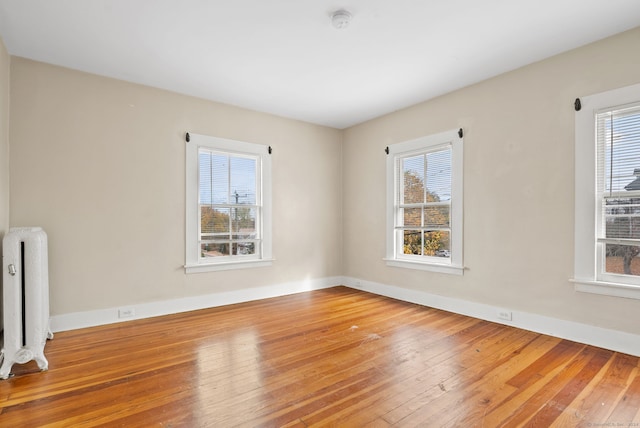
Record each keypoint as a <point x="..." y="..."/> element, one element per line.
<point x="126" y="313"/>
<point x="505" y="315"/>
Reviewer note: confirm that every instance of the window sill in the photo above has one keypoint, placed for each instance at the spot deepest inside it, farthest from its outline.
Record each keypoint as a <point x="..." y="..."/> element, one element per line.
<point x="213" y="267"/>
<point x="431" y="267"/>
<point x="607" y="288"/>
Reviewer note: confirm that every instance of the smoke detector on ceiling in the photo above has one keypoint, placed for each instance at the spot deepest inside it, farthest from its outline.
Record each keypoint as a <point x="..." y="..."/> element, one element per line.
<point x="340" y="19"/>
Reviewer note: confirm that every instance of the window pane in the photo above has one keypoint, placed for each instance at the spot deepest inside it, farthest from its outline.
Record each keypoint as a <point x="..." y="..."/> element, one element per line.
<point x="412" y="217"/>
<point x="437" y="216"/>
<point x="622" y="259"/>
<point x="245" y="248"/>
<point x="439" y="176"/>
<point x="243" y="181"/>
<point x="622" y="218"/>
<point x="434" y="168"/>
<point x="214" y="220"/>
<point x="227" y="180"/>
<point x="244" y="220"/>
<point x="437" y="243"/>
<point x="214" y="250"/>
<point x="413" y="178"/>
<point x="412" y="242"/>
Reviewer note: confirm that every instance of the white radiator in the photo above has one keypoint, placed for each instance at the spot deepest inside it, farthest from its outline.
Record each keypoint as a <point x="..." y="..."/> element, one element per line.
<point x="26" y="298"/>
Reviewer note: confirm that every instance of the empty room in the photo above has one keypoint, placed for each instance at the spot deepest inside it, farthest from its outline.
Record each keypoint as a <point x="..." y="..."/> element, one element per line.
<point x="317" y="213"/>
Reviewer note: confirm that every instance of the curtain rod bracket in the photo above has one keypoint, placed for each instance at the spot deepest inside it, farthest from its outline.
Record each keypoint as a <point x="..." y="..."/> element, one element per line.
<point x="270" y="150"/>
<point x="577" y="104"/>
<point x="188" y="137"/>
<point x="386" y="150"/>
<point x="460" y="133"/>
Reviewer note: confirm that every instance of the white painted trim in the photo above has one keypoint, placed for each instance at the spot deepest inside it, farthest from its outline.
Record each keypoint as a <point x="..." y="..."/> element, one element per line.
<point x="430" y="267"/>
<point x="619" y="341"/>
<point x="607" y="288"/>
<point x="77" y="320"/>
<point x="241" y="264"/>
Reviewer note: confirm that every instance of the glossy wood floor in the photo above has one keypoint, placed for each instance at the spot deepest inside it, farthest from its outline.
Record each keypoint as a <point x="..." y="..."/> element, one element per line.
<point x="336" y="357"/>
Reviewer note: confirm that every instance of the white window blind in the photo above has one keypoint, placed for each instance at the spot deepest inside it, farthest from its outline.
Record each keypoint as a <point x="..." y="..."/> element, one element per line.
<point x="618" y="192"/>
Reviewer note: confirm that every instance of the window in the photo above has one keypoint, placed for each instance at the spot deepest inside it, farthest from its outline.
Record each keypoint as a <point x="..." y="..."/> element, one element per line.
<point x="228" y="204"/>
<point x="424" y="203"/>
<point x="607" y="207"/>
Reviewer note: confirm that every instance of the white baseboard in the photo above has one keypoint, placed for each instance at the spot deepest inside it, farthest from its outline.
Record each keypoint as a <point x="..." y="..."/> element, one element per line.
<point x="77" y="320"/>
<point x="614" y="340"/>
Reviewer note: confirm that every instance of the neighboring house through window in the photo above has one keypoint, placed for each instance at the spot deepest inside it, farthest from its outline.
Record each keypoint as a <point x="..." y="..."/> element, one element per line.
<point x="607" y="206"/>
<point x="424" y="203"/>
<point x="228" y="204"/>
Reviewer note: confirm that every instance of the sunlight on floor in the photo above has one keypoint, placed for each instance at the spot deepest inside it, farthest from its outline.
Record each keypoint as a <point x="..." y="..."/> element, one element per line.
<point x="229" y="371"/>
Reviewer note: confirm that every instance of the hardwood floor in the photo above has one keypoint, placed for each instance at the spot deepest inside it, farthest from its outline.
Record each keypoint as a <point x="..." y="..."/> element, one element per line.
<point x="336" y="357"/>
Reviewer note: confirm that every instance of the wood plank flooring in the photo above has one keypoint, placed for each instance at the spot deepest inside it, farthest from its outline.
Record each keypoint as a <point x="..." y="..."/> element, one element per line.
<point x="335" y="357"/>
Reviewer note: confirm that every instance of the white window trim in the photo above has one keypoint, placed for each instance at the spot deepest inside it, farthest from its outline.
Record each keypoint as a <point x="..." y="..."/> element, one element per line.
<point x="586" y="203"/>
<point x="454" y="265"/>
<point x="193" y="263"/>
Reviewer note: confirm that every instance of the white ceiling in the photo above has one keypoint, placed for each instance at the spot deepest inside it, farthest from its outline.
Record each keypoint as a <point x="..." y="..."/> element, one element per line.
<point x="284" y="57"/>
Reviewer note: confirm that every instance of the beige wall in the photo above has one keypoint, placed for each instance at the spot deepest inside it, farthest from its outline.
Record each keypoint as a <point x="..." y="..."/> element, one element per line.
<point x="518" y="190"/>
<point x="4" y="140"/>
<point x="100" y="165"/>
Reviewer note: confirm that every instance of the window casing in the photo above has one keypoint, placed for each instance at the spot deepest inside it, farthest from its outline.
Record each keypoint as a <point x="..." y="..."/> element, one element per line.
<point x="607" y="205"/>
<point x="228" y="211"/>
<point x="424" y="203"/>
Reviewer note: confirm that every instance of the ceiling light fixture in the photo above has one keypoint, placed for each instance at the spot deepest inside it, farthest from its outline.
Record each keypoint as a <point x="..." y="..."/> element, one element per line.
<point x="340" y="19"/>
